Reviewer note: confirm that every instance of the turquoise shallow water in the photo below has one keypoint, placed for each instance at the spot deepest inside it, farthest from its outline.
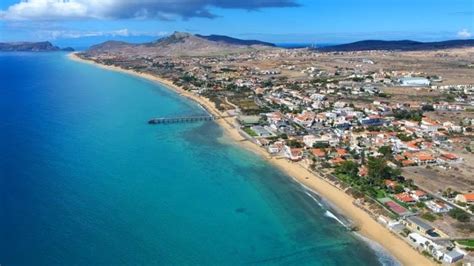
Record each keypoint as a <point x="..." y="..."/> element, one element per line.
<point x="84" y="180"/>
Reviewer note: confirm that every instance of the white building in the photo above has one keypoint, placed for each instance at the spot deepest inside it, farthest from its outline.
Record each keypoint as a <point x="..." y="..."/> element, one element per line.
<point x="453" y="256"/>
<point x="414" y="81"/>
<point x="437" y="206"/>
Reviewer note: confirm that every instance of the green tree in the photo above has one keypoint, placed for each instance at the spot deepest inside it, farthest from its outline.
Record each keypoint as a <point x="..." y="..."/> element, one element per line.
<point x="398" y="189"/>
<point x="378" y="170"/>
<point x="404" y="137"/>
<point x="386" y="151"/>
<point x="294" y="143"/>
<point x="348" y="168"/>
<point x="427" y="108"/>
<point x="321" y="145"/>
<point x="459" y="215"/>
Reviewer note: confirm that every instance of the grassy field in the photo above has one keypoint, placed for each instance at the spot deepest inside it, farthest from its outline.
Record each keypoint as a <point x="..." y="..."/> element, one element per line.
<point x="467" y="242"/>
<point x="249" y="131"/>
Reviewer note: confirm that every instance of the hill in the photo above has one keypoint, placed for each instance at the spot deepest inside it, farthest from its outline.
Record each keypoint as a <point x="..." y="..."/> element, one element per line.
<point x="182" y="44"/>
<point x="30" y="47"/>
<point x="403" y="45"/>
<point x="230" y="40"/>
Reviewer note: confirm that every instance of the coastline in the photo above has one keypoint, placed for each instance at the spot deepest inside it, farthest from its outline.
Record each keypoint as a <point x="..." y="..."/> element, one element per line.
<point x="368" y="227"/>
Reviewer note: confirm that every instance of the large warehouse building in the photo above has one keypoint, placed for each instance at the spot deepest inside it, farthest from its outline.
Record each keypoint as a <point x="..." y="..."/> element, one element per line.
<point x="414" y="81"/>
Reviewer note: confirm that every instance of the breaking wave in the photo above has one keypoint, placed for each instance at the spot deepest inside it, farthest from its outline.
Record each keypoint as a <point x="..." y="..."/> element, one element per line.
<point x="384" y="257"/>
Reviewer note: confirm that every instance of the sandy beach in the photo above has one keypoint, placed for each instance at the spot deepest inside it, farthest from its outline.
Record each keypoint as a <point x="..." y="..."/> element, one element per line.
<point x="368" y="227"/>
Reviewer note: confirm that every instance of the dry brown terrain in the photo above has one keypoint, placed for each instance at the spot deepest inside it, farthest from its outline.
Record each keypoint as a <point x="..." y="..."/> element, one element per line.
<point x="459" y="177"/>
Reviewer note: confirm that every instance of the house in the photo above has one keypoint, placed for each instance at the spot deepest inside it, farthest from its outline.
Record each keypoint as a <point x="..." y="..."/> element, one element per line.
<point x="429" y="125"/>
<point x="423" y="158"/>
<point x="426" y="244"/>
<point x="416" y="224"/>
<point x="390" y="184"/>
<point x="341" y="152"/>
<point x="373" y="120"/>
<point x="262" y="142"/>
<point x="419" y="195"/>
<point x="437" y="206"/>
<point x="465" y="198"/>
<point x="336" y="161"/>
<point x="275" y="148"/>
<point x="309" y="140"/>
<point x="319" y="153"/>
<point x="275" y="117"/>
<point x="304" y="119"/>
<point x="438" y="251"/>
<point x="453" y="256"/>
<point x="449" y="158"/>
<point x="404" y="197"/>
<point x="294" y="154"/>
<point x="407" y="162"/>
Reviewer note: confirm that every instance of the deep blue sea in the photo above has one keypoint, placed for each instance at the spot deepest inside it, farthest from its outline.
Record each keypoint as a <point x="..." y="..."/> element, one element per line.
<point x="84" y="180"/>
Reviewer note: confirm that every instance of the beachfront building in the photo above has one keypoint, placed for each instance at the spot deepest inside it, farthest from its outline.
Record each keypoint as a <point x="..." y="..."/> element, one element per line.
<point x="276" y="147"/>
<point x="294" y="154"/>
<point x="439" y="252"/>
<point x="261" y="131"/>
<point x="414" y="223"/>
<point x="453" y="256"/>
<point x="426" y="244"/>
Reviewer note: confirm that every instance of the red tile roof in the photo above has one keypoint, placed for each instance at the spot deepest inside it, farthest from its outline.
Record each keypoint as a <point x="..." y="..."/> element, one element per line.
<point x="390" y="183"/>
<point x="419" y="193"/>
<point x="341" y="152"/>
<point x="404" y="197"/>
<point x="319" y="152"/>
<point x="337" y="160"/>
<point x="450" y="156"/>
<point x="469" y="197"/>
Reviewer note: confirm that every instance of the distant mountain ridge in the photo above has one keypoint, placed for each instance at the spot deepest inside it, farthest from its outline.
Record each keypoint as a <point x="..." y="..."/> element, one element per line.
<point x="182" y="44"/>
<point x="230" y="40"/>
<point x="30" y="47"/>
<point x="403" y="45"/>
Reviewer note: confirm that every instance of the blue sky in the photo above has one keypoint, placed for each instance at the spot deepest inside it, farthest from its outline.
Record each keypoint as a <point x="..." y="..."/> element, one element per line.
<point x="308" y="21"/>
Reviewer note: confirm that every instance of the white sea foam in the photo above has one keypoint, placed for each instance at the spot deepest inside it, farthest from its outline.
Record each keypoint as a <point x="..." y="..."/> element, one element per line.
<point x="328" y="213"/>
<point x="333" y="216"/>
<point x="314" y="198"/>
<point x="384" y="257"/>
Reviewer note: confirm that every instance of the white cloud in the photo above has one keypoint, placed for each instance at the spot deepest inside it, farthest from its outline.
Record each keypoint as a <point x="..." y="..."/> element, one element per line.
<point x="159" y="9"/>
<point x="38" y="9"/>
<point x="74" y="34"/>
<point x="464" y="34"/>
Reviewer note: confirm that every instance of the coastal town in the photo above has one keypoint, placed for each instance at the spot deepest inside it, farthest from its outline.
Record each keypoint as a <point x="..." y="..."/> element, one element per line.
<point x="394" y="130"/>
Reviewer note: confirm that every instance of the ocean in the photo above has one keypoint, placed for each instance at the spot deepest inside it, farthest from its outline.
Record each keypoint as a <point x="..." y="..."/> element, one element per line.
<point x="84" y="180"/>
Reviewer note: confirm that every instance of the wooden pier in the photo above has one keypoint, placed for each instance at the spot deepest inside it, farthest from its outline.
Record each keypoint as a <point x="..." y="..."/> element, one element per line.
<point x="180" y="119"/>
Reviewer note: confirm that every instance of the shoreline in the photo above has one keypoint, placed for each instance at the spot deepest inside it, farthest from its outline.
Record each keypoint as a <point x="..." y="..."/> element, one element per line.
<point x="342" y="202"/>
